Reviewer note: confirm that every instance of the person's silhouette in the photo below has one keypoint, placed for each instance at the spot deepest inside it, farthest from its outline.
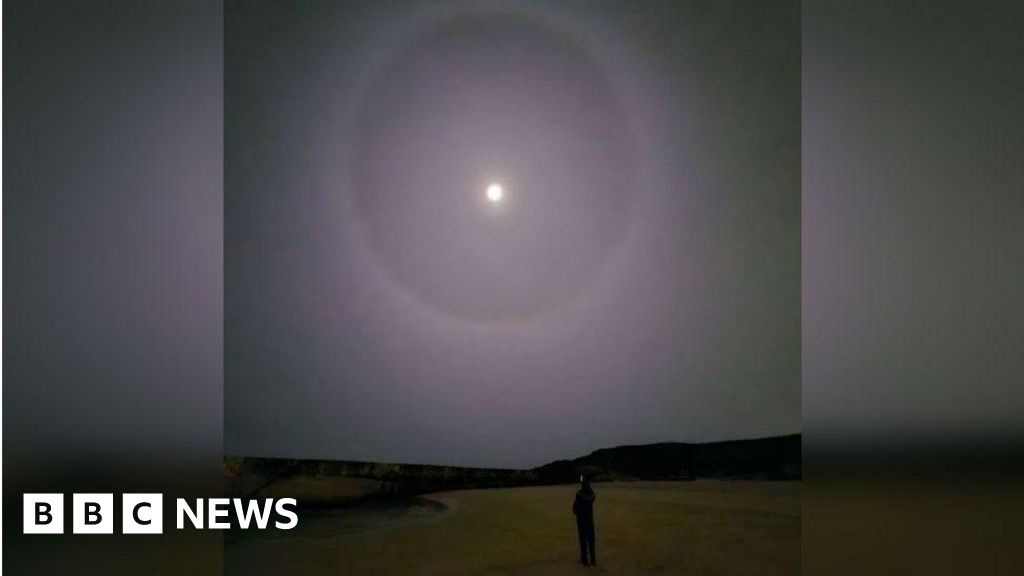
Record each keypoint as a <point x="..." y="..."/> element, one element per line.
<point x="583" y="508"/>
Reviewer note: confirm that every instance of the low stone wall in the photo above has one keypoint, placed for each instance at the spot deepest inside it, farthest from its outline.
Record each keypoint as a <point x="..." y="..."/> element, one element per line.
<point x="337" y="482"/>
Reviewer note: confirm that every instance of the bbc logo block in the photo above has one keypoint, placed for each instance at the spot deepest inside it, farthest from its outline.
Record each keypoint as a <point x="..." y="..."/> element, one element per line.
<point x="43" y="513"/>
<point x="92" y="513"/>
<point x="142" y="514"/>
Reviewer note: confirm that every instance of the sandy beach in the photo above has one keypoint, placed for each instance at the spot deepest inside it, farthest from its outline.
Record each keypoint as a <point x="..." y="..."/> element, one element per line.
<point x="704" y="527"/>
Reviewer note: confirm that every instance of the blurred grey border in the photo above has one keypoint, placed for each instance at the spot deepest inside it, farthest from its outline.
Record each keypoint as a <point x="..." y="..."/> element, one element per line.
<point x="113" y="266"/>
<point x="912" y="276"/>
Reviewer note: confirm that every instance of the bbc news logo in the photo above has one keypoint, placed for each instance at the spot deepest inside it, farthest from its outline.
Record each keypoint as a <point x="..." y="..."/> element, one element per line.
<point x="143" y="513"/>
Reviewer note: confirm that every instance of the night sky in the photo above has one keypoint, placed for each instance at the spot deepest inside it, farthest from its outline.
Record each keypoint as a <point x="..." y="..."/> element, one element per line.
<point x="639" y="281"/>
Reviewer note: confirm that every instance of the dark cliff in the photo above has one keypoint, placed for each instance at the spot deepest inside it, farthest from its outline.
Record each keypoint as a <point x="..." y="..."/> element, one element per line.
<point x="764" y="458"/>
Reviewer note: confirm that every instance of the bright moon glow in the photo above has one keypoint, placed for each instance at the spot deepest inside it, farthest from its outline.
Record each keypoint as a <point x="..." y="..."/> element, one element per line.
<point x="495" y="193"/>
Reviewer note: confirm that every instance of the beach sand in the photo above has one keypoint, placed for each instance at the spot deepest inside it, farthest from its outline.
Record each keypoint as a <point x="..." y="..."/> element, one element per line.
<point x="703" y="527"/>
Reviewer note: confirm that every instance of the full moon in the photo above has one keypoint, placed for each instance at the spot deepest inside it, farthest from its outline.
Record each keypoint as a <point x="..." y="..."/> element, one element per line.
<point x="495" y="193"/>
<point x="473" y="201"/>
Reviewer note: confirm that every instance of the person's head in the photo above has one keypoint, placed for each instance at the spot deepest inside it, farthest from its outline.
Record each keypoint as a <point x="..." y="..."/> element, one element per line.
<point x="585" y="484"/>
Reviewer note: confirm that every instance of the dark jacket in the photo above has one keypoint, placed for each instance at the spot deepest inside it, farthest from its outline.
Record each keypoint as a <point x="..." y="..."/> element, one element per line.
<point x="583" y="506"/>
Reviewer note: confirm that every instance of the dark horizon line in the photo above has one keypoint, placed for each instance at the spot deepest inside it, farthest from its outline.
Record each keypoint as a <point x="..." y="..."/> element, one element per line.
<point x="377" y="462"/>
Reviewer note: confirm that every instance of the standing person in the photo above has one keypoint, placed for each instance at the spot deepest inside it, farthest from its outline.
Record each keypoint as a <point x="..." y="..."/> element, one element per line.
<point x="583" y="508"/>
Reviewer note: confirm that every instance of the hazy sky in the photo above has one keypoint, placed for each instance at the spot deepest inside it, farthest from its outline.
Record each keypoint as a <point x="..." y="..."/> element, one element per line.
<point x="638" y="282"/>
